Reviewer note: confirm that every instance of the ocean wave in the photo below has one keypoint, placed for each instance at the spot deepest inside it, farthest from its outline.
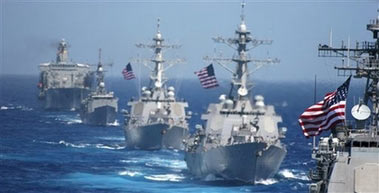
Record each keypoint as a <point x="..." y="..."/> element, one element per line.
<point x="173" y="164"/>
<point x="68" y="119"/>
<point x="165" y="177"/>
<point x="129" y="161"/>
<point x="115" y="123"/>
<point x="293" y="174"/>
<point x="112" y="138"/>
<point x="129" y="173"/>
<point x="67" y="144"/>
<point x="102" y="146"/>
<point x="268" y="181"/>
<point x="19" y="107"/>
<point x="82" y="145"/>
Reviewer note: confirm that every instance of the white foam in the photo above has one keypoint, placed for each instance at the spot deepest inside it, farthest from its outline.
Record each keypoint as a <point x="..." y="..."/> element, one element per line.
<point x="74" y="121"/>
<point x="290" y="174"/>
<point x="128" y="161"/>
<point x="67" y="144"/>
<point x="268" y="181"/>
<point x="69" y="119"/>
<point x="11" y="107"/>
<point x="129" y="173"/>
<point x="174" y="164"/>
<point x="165" y="177"/>
<point x="113" y="138"/>
<point x="115" y="123"/>
<point x="102" y="146"/>
<point x="5" y="108"/>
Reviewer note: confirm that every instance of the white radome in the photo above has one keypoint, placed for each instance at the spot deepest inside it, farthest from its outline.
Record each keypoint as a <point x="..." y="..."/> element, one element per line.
<point x="361" y="112"/>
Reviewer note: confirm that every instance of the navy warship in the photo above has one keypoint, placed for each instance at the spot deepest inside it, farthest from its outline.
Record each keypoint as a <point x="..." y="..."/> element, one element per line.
<point x="63" y="84"/>
<point x="157" y="120"/>
<point x="241" y="139"/>
<point x="348" y="160"/>
<point x="100" y="106"/>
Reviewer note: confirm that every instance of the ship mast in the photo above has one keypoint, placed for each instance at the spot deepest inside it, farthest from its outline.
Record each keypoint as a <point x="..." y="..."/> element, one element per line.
<point x="100" y="76"/>
<point x="157" y="78"/>
<point x="62" y="55"/>
<point x="366" y="56"/>
<point x="240" y="84"/>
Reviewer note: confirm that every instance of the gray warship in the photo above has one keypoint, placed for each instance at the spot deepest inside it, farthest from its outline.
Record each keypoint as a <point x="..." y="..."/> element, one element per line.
<point x="63" y="84"/>
<point x="241" y="138"/>
<point x="348" y="160"/>
<point x="157" y="120"/>
<point x="100" y="106"/>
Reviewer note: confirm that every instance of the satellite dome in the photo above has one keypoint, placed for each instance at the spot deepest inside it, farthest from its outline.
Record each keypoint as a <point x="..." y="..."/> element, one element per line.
<point x="102" y="84"/>
<point x="229" y="104"/>
<point x="158" y="84"/>
<point x="222" y="98"/>
<point x="171" y="88"/>
<point x="143" y="88"/>
<point x="159" y="35"/>
<point x="100" y="69"/>
<point x="243" y="27"/>
<point x="147" y="93"/>
<point x="171" y="94"/>
<point x="259" y="101"/>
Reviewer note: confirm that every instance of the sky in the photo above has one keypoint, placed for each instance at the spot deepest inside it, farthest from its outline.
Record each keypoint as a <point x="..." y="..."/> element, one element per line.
<point x="31" y="30"/>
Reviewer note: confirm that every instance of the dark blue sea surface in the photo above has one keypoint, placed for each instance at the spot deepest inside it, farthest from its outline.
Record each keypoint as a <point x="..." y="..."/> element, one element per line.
<point x="47" y="151"/>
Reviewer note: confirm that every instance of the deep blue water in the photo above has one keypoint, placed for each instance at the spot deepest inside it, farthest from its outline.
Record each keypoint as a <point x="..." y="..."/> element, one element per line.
<point x="44" y="151"/>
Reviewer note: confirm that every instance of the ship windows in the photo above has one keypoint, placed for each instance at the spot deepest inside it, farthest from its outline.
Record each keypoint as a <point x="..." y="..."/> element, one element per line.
<point x="374" y="144"/>
<point x="356" y="144"/>
<point x="365" y="144"/>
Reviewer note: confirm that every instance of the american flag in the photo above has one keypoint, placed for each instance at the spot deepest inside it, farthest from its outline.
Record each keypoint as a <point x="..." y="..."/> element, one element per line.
<point x="327" y="113"/>
<point x="128" y="72"/>
<point x="207" y="77"/>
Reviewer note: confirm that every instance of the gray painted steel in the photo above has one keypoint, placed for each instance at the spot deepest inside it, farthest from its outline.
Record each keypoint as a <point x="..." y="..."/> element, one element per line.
<point x="156" y="136"/>
<point x="348" y="160"/>
<point x="239" y="140"/>
<point x="64" y="84"/>
<point x="100" y="107"/>
<point x="157" y="119"/>
<point x="103" y="114"/>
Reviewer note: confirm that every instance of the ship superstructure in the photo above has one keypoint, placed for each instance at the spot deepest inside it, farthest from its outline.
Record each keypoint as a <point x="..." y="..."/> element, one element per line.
<point x="64" y="84"/>
<point x="100" y="106"/>
<point x="157" y="120"/>
<point x="240" y="139"/>
<point x="348" y="160"/>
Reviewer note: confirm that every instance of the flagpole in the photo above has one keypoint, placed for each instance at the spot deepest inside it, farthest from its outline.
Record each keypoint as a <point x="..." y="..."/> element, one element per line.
<point x="314" y="101"/>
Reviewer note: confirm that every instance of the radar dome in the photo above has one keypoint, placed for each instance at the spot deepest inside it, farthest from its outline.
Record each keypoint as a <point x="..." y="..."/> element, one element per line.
<point x="171" y="94"/>
<point x="147" y="93"/>
<point x="229" y="104"/>
<point x="143" y="88"/>
<point x="222" y="98"/>
<point x="242" y="27"/>
<point x="158" y="84"/>
<point x="259" y="101"/>
<point x="159" y="35"/>
<point x="102" y="84"/>
<point x="171" y="88"/>
<point x="100" y="69"/>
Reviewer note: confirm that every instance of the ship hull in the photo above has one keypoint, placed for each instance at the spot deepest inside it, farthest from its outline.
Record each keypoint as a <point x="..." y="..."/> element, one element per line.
<point x="64" y="98"/>
<point x="155" y="136"/>
<point x="247" y="162"/>
<point x="102" y="116"/>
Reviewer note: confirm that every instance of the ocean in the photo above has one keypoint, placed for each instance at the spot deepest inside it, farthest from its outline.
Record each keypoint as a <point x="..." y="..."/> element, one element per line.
<point x="48" y="151"/>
